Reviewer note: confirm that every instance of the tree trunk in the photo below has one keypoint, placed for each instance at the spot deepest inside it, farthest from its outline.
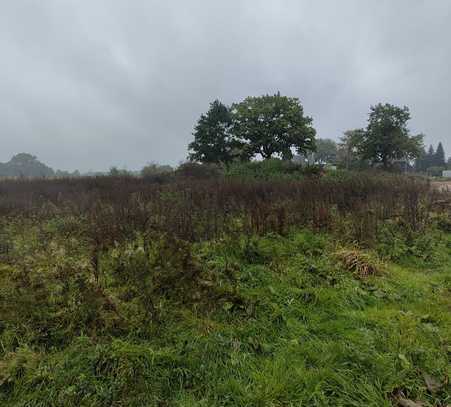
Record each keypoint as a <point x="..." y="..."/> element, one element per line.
<point x="265" y="154"/>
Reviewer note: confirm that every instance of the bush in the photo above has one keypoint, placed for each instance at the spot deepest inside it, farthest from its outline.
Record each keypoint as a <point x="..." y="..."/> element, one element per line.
<point x="435" y="171"/>
<point x="399" y="242"/>
<point x="444" y="222"/>
<point x="199" y="171"/>
<point x="156" y="172"/>
<point x="143" y="272"/>
<point x="265" y="170"/>
<point x="361" y="264"/>
<point x="51" y="306"/>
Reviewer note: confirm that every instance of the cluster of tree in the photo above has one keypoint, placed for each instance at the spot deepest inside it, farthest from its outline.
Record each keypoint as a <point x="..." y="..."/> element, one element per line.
<point x="344" y="154"/>
<point x="348" y="154"/>
<point x="269" y="126"/>
<point x="385" y="142"/>
<point x="432" y="162"/>
<point x="276" y="126"/>
<point x="25" y="165"/>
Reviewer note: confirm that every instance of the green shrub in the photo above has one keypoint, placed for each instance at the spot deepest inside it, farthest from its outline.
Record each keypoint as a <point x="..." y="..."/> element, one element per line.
<point x="443" y="221"/>
<point x="435" y="171"/>
<point x="51" y="306"/>
<point x="144" y="271"/>
<point x="265" y="170"/>
<point x="391" y="243"/>
<point x="396" y="242"/>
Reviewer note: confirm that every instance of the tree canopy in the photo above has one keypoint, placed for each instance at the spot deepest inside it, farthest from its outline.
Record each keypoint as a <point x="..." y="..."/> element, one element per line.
<point x="213" y="141"/>
<point x="25" y="165"/>
<point x="266" y="126"/>
<point x="275" y="126"/>
<point x="272" y="125"/>
<point x="387" y="138"/>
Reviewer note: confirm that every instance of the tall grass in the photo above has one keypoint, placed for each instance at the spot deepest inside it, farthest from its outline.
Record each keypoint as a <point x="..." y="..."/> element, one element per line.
<point x="196" y="210"/>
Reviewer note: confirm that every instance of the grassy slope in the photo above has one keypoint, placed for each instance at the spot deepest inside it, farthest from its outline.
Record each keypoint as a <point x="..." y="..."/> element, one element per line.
<point x="300" y="331"/>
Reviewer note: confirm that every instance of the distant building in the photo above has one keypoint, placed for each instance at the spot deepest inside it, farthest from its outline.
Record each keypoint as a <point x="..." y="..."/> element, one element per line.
<point x="446" y="174"/>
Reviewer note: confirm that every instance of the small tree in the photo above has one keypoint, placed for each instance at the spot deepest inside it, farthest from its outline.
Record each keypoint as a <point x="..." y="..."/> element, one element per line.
<point x="213" y="142"/>
<point x="272" y="125"/>
<point x="387" y="138"/>
<point x="421" y="161"/>
<point x="349" y="148"/>
<point x="326" y="151"/>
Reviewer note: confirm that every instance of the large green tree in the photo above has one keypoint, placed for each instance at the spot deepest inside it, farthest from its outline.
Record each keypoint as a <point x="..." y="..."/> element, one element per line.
<point x="387" y="138"/>
<point x="213" y="141"/>
<point x="272" y="125"/>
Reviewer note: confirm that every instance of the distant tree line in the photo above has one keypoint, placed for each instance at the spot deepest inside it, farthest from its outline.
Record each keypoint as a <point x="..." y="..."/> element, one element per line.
<point x="347" y="154"/>
<point x="433" y="162"/>
<point x="276" y="126"/>
<point x="25" y="165"/>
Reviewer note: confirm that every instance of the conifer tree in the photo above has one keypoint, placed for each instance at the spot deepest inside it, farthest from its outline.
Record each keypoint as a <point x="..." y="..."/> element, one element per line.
<point x="439" y="158"/>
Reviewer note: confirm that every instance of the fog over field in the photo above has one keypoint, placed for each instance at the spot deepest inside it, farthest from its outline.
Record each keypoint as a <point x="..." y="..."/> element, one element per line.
<point x="91" y="84"/>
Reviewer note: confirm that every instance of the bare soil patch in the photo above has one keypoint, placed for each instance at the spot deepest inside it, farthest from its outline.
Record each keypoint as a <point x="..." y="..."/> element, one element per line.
<point x="442" y="186"/>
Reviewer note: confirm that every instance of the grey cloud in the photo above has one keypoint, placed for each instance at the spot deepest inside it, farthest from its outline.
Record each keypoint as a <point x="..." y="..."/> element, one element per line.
<point x="91" y="84"/>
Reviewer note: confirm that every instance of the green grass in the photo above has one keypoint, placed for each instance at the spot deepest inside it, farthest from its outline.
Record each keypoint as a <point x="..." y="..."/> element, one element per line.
<point x="289" y="327"/>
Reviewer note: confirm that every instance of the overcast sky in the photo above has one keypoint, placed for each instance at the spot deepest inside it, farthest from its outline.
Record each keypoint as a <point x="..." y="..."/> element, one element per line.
<point x="89" y="84"/>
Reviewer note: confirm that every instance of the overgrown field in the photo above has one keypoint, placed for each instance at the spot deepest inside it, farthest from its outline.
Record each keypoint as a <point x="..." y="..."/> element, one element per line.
<point x="332" y="291"/>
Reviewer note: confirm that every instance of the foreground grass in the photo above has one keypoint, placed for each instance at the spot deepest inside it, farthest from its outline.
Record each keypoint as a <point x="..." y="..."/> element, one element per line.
<point x="294" y="327"/>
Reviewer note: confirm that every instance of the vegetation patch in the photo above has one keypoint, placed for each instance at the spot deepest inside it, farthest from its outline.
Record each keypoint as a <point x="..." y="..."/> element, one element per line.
<point x="155" y="295"/>
<point x="359" y="263"/>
